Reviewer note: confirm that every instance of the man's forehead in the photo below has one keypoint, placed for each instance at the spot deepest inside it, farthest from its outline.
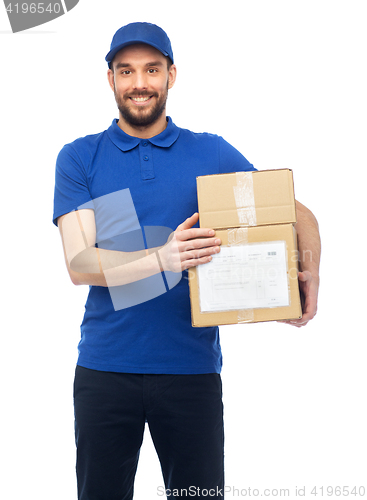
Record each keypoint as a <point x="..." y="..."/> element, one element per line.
<point x="138" y="52"/>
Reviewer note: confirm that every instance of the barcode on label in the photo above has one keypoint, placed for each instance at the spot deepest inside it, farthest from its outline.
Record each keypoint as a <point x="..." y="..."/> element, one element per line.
<point x="272" y="253"/>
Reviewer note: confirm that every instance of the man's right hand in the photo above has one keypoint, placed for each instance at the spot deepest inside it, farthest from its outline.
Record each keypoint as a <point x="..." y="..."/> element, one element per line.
<point x="189" y="247"/>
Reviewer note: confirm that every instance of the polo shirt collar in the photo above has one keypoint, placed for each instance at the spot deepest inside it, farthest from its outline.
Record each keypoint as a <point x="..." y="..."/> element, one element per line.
<point x="127" y="142"/>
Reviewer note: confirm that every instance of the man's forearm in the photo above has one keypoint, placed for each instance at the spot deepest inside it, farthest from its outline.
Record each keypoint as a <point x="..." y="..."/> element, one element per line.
<point x="309" y="243"/>
<point x="88" y="265"/>
<point x="309" y="248"/>
<point x="99" y="267"/>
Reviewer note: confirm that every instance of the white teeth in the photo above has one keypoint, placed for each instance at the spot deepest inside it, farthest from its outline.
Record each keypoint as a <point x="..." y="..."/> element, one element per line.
<point x="140" y="99"/>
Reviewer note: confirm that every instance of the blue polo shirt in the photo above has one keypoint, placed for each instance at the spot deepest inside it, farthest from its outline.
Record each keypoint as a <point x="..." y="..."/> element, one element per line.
<point x="141" y="190"/>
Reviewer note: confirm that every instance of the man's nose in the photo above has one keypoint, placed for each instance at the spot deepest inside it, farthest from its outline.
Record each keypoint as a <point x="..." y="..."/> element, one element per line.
<point x="140" y="80"/>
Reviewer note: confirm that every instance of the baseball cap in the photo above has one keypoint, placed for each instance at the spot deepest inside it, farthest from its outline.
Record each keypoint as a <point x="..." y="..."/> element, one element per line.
<point x="132" y="33"/>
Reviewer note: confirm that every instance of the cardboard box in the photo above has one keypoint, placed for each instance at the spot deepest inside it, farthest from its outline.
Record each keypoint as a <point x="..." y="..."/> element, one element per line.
<point x="246" y="199"/>
<point x="254" y="277"/>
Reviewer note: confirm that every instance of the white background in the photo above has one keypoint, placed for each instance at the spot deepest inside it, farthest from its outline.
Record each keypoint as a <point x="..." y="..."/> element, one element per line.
<point x="284" y="82"/>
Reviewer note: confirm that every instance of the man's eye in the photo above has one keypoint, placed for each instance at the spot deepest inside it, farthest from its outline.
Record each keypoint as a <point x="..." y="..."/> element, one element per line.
<point x="152" y="70"/>
<point x="126" y="72"/>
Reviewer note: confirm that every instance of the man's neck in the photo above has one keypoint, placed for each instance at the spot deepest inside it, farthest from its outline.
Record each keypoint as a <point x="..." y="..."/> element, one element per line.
<point x="143" y="132"/>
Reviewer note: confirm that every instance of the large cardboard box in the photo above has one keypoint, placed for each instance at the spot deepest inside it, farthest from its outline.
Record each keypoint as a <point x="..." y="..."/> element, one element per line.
<point x="254" y="277"/>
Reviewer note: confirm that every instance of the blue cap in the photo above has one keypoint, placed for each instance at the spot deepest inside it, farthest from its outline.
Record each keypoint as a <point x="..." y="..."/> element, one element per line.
<point x="140" y="33"/>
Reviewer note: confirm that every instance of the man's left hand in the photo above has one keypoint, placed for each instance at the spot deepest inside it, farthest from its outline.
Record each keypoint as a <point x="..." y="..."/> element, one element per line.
<point x="309" y="288"/>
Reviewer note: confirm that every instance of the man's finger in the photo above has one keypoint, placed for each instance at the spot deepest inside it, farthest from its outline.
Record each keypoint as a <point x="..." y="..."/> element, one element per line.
<point x="199" y="253"/>
<point x="189" y="222"/>
<point x="187" y="264"/>
<point x="200" y="238"/>
<point x="304" y="276"/>
<point x="193" y="235"/>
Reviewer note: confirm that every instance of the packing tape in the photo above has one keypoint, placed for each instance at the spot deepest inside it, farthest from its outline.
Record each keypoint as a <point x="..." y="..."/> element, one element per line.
<point x="245" y="199"/>
<point x="239" y="236"/>
<point x="245" y="316"/>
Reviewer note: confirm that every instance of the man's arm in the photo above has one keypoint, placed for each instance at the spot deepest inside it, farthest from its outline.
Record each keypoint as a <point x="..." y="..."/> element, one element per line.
<point x="88" y="265"/>
<point x="309" y="248"/>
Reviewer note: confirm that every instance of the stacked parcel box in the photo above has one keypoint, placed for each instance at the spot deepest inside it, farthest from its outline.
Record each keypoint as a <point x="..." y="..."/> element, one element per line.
<point x="254" y="276"/>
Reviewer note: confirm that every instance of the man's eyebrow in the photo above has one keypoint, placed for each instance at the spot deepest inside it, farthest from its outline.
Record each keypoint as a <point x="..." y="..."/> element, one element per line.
<point x="122" y="65"/>
<point x="127" y="65"/>
<point x="154" y="63"/>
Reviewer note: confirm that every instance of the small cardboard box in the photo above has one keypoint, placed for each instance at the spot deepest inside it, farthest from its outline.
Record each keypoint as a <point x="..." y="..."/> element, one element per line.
<point x="246" y="199"/>
<point x="254" y="276"/>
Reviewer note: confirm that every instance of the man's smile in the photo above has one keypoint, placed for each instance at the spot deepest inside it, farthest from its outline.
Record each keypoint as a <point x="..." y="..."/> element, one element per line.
<point x="141" y="100"/>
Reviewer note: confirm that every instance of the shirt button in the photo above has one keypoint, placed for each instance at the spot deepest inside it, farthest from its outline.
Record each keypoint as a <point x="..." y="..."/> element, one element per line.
<point x="145" y="144"/>
<point x="145" y="158"/>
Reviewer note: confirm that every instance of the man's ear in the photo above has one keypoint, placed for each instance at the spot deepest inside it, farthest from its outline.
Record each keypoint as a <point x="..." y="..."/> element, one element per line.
<point x="111" y="79"/>
<point x="172" y="73"/>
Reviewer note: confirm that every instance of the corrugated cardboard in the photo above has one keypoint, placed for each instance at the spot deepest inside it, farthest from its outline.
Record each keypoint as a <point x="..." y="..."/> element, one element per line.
<point x="248" y="208"/>
<point x="261" y="198"/>
<point x="282" y="232"/>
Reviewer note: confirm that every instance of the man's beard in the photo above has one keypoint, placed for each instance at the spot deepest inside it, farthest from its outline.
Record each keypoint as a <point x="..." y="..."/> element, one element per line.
<point x="141" y="117"/>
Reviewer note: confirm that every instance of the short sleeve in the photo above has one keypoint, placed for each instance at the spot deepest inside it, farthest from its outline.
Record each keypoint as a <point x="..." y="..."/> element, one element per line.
<point x="71" y="186"/>
<point x="231" y="160"/>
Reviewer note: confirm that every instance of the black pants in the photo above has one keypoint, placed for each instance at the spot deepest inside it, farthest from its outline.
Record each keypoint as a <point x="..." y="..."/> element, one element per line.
<point x="185" y="418"/>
